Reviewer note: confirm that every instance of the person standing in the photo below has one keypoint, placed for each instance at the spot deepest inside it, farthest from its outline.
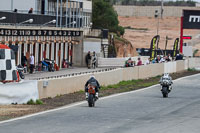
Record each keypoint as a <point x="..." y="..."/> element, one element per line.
<point x="23" y="60"/>
<point x="31" y="63"/>
<point x="94" y="60"/>
<point x="88" y="59"/>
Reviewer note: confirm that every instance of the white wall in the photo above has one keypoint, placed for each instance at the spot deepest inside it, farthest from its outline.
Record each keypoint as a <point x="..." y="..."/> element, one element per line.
<point x="91" y="46"/>
<point x="187" y="51"/>
<point x="19" y="93"/>
<point x="87" y="6"/>
<point x="170" y="67"/>
<point x="18" y="4"/>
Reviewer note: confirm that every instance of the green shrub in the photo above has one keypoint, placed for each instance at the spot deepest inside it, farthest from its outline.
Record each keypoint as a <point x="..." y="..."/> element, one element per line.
<point x="31" y="102"/>
<point x="38" y="102"/>
<point x="195" y="52"/>
<point x="191" y="69"/>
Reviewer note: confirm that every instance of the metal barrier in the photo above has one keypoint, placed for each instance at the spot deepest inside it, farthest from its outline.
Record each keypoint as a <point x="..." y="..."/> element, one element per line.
<point x="75" y="74"/>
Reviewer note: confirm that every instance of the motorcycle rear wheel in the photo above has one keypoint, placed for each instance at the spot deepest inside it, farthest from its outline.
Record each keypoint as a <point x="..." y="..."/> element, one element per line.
<point x="21" y="75"/>
<point x="91" y="100"/>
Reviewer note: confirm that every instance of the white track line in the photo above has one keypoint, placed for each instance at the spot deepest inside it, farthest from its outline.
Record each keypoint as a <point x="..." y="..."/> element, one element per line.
<point x="83" y="102"/>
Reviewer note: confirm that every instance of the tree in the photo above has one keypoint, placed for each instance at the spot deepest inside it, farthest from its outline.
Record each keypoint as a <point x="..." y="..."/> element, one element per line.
<point x="105" y="17"/>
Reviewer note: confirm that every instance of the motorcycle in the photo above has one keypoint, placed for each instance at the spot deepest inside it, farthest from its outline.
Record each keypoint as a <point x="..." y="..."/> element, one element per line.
<point x="20" y="70"/>
<point x="166" y="87"/>
<point x="91" y="95"/>
<point x="49" y="64"/>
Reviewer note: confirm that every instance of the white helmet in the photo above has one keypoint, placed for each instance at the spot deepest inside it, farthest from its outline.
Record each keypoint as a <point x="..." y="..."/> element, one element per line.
<point x="166" y="75"/>
<point x="92" y="76"/>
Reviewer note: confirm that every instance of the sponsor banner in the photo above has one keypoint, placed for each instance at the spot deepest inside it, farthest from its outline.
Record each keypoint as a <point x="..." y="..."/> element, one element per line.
<point x="187" y="37"/>
<point x="27" y="32"/>
<point x="154" y="41"/>
<point x="191" y="19"/>
<point x="175" y="48"/>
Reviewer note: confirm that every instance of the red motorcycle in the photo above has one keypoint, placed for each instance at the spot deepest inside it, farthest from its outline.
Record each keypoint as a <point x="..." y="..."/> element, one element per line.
<point x="91" y="95"/>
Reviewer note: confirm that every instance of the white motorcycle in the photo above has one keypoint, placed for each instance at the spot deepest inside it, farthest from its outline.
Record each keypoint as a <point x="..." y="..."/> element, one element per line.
<point x="166" y="84"/>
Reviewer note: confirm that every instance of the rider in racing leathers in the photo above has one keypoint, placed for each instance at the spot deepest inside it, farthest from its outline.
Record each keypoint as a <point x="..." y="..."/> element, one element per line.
<point x="166" y="77"/>
<point x="94" y="82"/>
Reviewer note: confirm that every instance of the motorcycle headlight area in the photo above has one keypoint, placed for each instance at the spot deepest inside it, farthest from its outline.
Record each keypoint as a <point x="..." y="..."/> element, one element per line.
<point x="165" y="81"/>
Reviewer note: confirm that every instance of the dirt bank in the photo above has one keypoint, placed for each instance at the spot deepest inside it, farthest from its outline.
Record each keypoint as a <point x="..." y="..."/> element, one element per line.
<point x="142" y="29"/>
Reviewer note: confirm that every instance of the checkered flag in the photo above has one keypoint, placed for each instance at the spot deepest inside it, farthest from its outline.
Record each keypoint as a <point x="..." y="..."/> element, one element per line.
<point x="7" y="65"/>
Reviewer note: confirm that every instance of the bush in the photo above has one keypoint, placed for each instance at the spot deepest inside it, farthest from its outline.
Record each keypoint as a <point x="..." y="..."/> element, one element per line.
<point x="191" y="69"/>
<point x="39" y="102"/>
<point x="195" y="52"/>
<point x="32" y="102"/>
<point x="121" y="30"/>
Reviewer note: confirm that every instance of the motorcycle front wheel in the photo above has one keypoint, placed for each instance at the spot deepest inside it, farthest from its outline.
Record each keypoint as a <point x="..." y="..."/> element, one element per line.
<point x="165" y="92"/>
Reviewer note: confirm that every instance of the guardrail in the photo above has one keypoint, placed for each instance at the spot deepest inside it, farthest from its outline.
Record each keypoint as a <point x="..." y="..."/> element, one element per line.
<point x="74" y="74"/>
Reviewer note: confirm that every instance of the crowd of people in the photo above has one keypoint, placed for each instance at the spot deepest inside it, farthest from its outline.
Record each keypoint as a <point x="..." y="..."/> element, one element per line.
<point x="158" y="59"/>
<point x="28" y="62"/>
<point x="91" y="60"/>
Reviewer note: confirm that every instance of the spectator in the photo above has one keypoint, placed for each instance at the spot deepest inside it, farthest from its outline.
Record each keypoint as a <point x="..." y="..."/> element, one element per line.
<point x="162" y="59"/>
<point x="169" y="57"/>
<point x="23" y="60"/>
<point x="153" y="61"/>
<point x="147" y="61"/>
<point x="88" y="59"/>
<point x="15" y="10"/>
<point x="139" y="63"/>
<point x="128" y="63"/>
<point x="94" y="60"/>
<point x="179" y="57"/>
<point x="30" y="10"/>
<point x="31" y="63"/>
<point x="158" y="59"/>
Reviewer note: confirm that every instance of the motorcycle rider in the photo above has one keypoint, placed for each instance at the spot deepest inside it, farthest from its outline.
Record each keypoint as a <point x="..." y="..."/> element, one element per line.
<point x="94" y="82"/>
<point x="167" y="78"/>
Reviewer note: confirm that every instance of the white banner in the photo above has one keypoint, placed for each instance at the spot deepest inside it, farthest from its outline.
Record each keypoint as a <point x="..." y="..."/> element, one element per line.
<point x="18" y="93"/>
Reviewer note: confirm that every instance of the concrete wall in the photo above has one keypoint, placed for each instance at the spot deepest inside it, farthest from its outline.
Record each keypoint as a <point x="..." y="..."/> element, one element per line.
<point x="180" y="66"/>
<point x="170" y="67"/>
<point x="149" y="11"/>
<point x="104" y="62"/>
<point x="76" y="83"/>
<point x="18" y="4"/>
<point x="87" y="6"/>
<point x="151" y="70"/>
<point x="191" y="62"/>
<point x="78" y="53"/>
